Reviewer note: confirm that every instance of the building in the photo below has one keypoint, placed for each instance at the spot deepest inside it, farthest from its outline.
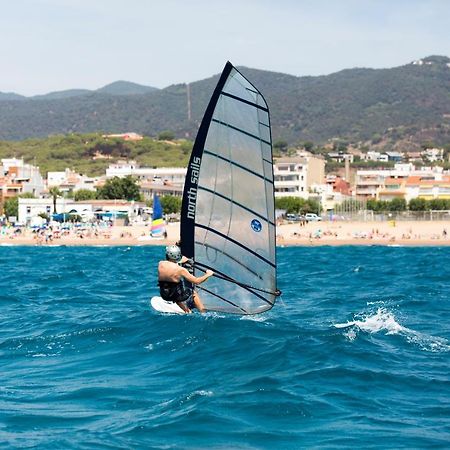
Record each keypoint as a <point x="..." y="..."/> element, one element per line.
<point x="427" y="188"/>
<point x="294" y="176"/>
<point x="433" y="154"/>
<point x="149" y="189"/>
<point x="368" y="183"/>
<point x="69" y="181"/>
<point x="341" y="157"/>
<point x="30" y="208"/>
<point x="394" y="156"/>
<point x="170" y="176"/>
<point x="17" y="178"/>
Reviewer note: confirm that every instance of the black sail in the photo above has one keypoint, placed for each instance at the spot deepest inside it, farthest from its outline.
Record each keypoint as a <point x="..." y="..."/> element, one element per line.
<point x="228" y="214"/>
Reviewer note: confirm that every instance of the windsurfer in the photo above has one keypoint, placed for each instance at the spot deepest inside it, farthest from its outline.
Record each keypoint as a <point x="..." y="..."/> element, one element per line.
<point x="172" y="278"/>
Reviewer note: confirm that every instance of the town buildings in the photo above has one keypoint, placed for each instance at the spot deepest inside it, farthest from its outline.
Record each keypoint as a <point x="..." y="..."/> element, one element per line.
<point x="386" y="184"/>
<point x="294" y="176"/>
<point x="301" y="175"/>
<point x="17" y="177"/>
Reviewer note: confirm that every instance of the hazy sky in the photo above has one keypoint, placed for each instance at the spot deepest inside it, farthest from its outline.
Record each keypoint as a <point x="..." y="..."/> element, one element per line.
<point x="50" y="45"/>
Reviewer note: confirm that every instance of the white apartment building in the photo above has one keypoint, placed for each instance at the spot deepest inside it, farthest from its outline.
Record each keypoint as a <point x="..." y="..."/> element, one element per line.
<point x="26" y="178"/>
<point x="433" y="154"/>
<point x="171" y="176"/>
<point x="30" y="208"/>
<point x="293" y="176"/>
<point x="328" y="198"/>
<point x="369" y="182"/>
<point x="69" y="181"/>
<point x="376" y="156"/>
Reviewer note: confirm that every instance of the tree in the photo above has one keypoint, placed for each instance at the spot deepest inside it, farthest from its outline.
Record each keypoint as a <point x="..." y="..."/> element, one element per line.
<point x="280" y="145"/>
<point x="418" y="204"/>
<point x="125" y="188"/>
<point x="166" y="135"/>
<point x="11" y="205"/>
<point x="292" y="205"/>
<point x="397" y="204"/>
<point x="170" y="204"/>
<point x="84" y="194"/>
<point x="55" y="193"/>
<point x="308" y="146"/>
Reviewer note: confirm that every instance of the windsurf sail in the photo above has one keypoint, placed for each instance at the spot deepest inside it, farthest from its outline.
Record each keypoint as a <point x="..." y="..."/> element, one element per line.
<point x="228" y="214"/>
<point x="158" y="228"/>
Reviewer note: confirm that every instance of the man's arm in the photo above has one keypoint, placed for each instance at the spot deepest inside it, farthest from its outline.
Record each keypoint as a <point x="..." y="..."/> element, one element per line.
<point x="195" y="280"/>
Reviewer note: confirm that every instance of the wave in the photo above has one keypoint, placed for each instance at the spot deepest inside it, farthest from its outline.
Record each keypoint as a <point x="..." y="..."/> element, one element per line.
<point x="384" y="321"/>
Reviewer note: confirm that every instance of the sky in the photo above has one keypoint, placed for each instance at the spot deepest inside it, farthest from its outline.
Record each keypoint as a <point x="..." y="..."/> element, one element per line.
<point x="53" y="45"/>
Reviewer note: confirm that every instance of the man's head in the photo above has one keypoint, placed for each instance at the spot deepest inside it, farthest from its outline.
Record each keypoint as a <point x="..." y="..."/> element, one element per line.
<point x="173" y="253"/>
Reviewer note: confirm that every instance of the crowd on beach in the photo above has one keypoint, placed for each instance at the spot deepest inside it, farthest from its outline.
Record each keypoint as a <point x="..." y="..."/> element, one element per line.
<point x="316" y="233"/>
<point x="328" y="233"/>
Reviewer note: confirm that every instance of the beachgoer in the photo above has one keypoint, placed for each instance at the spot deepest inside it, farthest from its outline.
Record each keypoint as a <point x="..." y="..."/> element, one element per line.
<point x="172" y="278"/>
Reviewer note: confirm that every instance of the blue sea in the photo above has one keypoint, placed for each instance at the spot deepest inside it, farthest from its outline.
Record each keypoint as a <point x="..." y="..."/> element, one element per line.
<point x="356" y="354"/>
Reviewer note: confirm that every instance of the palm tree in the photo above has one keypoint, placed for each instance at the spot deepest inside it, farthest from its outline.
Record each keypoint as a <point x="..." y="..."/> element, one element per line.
<point x="55" y="193"/>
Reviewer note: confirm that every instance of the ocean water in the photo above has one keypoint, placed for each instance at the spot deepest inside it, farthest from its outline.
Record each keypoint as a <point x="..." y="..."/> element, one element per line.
<point x="355" y="355"/>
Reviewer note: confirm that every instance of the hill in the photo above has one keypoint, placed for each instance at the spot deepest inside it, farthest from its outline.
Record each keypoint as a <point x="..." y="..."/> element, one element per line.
<point x="401" y="106"/>
<point x="92" y="153"/>
<point x="125" y="88"/>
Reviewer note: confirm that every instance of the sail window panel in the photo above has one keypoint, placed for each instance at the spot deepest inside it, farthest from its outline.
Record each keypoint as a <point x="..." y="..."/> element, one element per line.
<point x="263" y="118"/>
<point x="232" y="260"/>
<point x="270" y="201"/>
<point x="268" y="172"/>
<point x="249" y="190"/>
<point x="215" y="175"/>
<point x="243" y="150"/>
<point x="240" y="116"/>
<point x="261" y="102"/>
<point x="206" y="213"/>
<point x="238" y="86"/>
<point x="240" y="230"/>
<point x="266" y="150"/>
<point x="232" y="182"/>
<point x="231" y="220"/>
<point x="264" y="133"/>
<point x="272" y="247"/>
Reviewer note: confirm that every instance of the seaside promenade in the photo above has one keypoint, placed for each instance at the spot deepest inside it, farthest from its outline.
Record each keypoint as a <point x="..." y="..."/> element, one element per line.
<point x="415" y="233"/>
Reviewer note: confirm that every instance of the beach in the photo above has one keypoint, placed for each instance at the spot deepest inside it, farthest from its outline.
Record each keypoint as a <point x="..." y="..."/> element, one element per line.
<point x="413" y="233"/>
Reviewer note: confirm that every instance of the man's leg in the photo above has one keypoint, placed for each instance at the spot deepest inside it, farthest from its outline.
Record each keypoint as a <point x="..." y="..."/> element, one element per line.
<point x="183" y="307"/>
<point x="198" y="303"/>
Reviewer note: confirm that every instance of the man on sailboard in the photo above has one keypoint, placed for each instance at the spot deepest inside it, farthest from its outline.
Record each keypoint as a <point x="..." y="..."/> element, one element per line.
<point x="172" y="278"/>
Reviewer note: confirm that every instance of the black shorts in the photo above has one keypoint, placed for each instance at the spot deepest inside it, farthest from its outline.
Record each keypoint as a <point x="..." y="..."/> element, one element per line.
<point x="175" y="293"/>
<point x="190" y="302"/>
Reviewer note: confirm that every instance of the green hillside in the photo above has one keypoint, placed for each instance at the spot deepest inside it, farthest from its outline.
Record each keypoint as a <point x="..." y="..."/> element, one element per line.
<point x="91" y="154"/>
<point x="403" y="106"/>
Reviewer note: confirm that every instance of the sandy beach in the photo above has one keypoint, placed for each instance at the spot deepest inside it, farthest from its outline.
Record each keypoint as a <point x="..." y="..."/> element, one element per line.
<point x="288" y="234"/>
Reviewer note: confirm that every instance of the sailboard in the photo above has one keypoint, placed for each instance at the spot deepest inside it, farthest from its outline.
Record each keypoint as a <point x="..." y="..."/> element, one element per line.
<point x="163" y="306"/>
<point x="158" y="228"/>
<point x="228" y="213"/>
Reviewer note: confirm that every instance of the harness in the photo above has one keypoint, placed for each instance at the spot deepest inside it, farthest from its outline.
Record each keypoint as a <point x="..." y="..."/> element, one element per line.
<point x="174" y="292"/>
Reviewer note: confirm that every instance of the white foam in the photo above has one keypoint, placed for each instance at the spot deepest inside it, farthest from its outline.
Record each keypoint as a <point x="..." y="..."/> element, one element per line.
<point x="384" y="321"/>
<point x="254" y="318"/>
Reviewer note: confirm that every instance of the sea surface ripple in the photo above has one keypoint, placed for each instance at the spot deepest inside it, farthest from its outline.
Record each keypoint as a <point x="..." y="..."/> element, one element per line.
<point x="355" y="354"/>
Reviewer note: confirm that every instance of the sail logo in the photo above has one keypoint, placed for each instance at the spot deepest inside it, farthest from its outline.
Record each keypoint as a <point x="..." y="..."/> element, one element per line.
<point x="256" y="225"/>
<point x="192" y="199"/>
<point x="195" y="169"/>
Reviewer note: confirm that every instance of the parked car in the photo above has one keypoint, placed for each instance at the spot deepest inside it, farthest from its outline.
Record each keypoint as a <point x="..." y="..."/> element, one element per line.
<point x="295" y="217"/>
<point x="292" y="217"/>
<point x="311" y="217"/>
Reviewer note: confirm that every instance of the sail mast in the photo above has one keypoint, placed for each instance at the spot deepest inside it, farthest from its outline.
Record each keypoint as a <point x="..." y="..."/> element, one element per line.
<point x="188" y="206"/>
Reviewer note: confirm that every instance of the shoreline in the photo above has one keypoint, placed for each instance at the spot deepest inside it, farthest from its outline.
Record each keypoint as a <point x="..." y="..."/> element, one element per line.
<point x="313" y="234"/>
